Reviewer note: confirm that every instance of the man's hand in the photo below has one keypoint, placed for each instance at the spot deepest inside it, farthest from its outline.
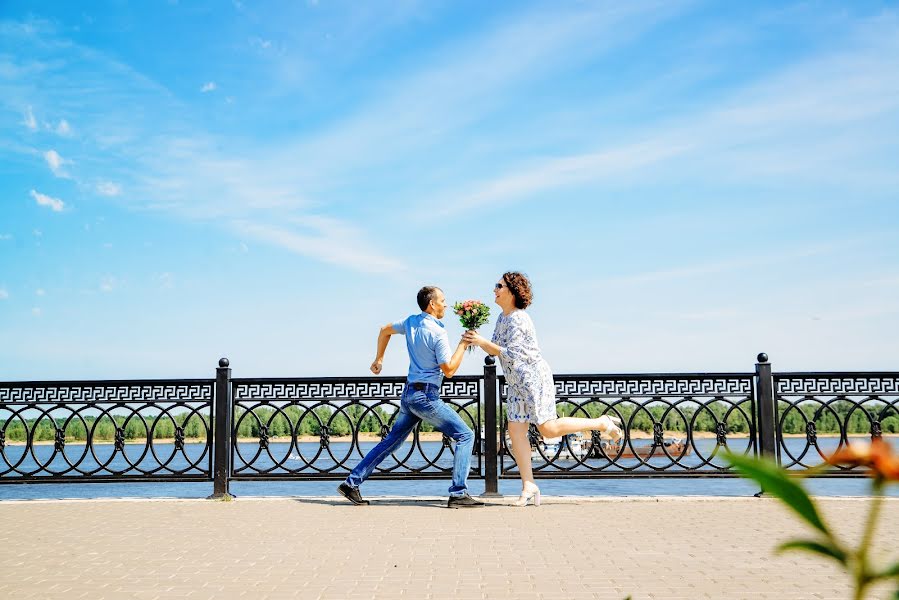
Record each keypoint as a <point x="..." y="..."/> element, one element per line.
<point x="376" y="367"/>
<point x="473" y="338"/>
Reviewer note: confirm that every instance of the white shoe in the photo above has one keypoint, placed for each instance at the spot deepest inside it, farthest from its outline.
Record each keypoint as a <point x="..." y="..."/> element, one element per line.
<point x="529" y="495"/>
<point x="611" y="426"/>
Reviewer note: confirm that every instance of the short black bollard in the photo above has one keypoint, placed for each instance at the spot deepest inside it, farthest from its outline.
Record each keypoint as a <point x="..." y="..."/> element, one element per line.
<point x="491" y="479"/>
<point x="221" y="443"/>
<point x="767" y="411"/>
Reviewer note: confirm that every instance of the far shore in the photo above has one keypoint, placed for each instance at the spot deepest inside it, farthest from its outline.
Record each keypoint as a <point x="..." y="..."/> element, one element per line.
<point x="431" y="436"/>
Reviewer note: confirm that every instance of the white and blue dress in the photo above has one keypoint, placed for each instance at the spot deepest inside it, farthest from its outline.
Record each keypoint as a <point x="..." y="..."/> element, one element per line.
<point x="531" y="394"/>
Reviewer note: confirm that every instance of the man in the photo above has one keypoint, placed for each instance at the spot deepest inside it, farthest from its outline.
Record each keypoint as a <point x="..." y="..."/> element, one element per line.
<point x="429" y="361"/>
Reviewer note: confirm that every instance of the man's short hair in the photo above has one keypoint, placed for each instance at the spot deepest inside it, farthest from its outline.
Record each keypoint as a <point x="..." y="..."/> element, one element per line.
<point x="425" y="295"/>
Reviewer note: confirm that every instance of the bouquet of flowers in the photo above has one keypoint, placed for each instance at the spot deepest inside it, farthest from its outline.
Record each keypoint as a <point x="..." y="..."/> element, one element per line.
<point x="472" y="314"/>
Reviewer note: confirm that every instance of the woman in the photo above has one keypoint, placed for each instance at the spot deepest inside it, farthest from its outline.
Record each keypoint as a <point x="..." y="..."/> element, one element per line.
<point x="532" y="393"/>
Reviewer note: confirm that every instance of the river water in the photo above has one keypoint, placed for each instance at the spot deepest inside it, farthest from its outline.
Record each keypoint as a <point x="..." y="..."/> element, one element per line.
<point x="696" y="486"/>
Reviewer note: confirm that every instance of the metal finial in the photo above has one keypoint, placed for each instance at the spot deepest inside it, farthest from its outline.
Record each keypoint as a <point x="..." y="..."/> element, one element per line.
<point x="762" y="357"/>
<point x="223" y="362"/>
<point x="489" y="360"/>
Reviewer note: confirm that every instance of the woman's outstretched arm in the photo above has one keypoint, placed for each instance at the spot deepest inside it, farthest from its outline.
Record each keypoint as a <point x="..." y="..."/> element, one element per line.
<point x="473" y="337"/>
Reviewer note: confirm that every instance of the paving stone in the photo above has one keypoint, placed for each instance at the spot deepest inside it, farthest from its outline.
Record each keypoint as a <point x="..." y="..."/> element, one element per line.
<point x="400" y="548"/>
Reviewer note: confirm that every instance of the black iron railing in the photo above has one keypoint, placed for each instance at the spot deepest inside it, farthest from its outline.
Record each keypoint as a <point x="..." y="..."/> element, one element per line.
<point x="854" y="405"/>
<point x="676" y="425"/>
<point x="226" y="429"/>
<point x="101" y="431"/>
<point x="321" y="428"/>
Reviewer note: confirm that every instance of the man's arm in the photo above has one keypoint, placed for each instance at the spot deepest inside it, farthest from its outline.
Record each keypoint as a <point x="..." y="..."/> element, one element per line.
<point x="383" y="339"/>
<point x="449" y="368"/>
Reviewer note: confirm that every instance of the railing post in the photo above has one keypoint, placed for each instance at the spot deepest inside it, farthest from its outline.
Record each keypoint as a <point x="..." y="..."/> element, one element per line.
<point x="221" y="442"/>
<point x="491" y="479"/>
<point x="767" y="409"/>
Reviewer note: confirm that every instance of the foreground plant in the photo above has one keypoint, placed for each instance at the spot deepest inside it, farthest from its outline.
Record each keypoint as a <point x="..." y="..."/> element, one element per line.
<point x="883" y="468"/>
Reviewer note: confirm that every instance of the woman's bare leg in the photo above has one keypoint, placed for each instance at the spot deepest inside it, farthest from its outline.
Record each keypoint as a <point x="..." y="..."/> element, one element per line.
<point x="521" y="451"/>
<point x="565" y="425"/>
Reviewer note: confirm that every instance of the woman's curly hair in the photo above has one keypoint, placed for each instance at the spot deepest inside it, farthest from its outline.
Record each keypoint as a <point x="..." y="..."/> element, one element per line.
<point x="520" y="286"/>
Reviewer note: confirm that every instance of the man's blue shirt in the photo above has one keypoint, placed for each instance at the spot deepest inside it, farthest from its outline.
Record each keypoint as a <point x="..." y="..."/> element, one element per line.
<point x="428" y="346"/>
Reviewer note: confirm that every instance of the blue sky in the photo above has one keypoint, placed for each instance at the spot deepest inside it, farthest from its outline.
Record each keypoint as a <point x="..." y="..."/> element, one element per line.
<point x="686" y="183"/>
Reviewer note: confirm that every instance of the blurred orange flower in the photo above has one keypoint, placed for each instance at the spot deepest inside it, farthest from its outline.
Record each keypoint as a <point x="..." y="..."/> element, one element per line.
<point x="878" y="456"/>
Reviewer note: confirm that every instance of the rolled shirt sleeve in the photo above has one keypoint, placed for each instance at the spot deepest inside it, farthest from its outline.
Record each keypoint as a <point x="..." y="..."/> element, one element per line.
<point x="442" y="348"/>
<point x="399" y="326"/>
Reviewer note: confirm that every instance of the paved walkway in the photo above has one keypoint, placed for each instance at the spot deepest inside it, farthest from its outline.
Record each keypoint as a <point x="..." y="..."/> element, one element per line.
<point x="400" y="548"/>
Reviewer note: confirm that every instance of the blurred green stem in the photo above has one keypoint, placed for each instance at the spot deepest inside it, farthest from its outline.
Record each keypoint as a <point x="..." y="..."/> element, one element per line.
<point x="862" y="572"/>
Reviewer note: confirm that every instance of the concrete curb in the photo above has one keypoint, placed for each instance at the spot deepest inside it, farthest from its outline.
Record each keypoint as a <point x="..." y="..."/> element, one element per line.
<point x="503" y="500"/>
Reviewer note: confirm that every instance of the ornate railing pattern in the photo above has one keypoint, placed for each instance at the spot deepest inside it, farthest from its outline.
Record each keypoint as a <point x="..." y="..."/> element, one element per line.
<point x="313" y="428"/>
<point x="660" y="414"/>
<point x="859" y="405"/>
<point x="106" y="431"/>
<point x="302" y="429"/>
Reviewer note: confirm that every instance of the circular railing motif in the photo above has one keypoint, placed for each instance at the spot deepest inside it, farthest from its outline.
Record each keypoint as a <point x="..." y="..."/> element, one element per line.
<point x="819" y="413"/>
<point x="323" y="427"/>
<point x="673" y="425"/>
<point x="105" y="430"/>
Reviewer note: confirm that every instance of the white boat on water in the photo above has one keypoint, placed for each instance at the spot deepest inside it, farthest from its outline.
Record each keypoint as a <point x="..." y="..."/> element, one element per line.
<point x="580" y="447"/>
<point x="577" y="448"/>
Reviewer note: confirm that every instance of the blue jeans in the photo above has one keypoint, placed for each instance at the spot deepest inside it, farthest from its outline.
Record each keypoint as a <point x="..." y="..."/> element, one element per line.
<point x="415" y="407"/>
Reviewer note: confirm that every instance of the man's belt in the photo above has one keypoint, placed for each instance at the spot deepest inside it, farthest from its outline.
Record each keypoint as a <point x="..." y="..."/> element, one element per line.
<point x="420" y="386"/>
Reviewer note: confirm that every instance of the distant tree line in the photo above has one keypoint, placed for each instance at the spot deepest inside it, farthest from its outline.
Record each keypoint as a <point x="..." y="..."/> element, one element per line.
<point x="279" y="424"/>
<point x="104" y="428"/>
<point x="293" y="418"/>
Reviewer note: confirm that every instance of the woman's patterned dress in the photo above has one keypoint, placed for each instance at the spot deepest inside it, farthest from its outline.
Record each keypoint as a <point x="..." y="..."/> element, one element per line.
<point x="532" y="393"/>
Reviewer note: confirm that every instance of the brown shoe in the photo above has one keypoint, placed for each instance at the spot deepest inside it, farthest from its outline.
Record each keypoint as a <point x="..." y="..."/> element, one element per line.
<point x="465" y="501"/>
<point x="352" y="494"/>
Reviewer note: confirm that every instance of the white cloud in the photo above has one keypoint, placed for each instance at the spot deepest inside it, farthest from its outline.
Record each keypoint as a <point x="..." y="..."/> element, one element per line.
<point x="53" y="159"/>
<point x="166" y="281"/>
<point x="36" y="311"/>
<point x="56" y="163"/>
<point x="325" y="239"/>
<point x="260" y="43"/>
<point x="561" y="171"/>
<point x="209" y="86"/>
<point x="3" y="294"/>
<point x="784" y="255"/>
<point x="794" y="122"/>
<point x="5" y="236"/>
<point x="37" y="232"/>
<point x="63" y="128"/>
<point x="40" y="292"/>
<point x="108" y="188"/>
<point x="244" y="248"/>
<point x="55" y="204"/>
<point x="108" y="283"/>
<point x="473" y="77"/>
<point x="30" y="122"/>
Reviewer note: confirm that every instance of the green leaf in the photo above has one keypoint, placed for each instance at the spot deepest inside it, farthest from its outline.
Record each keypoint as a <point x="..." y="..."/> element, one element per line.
<point x="889" y="572"/>
<point x="815" y="548"/>
<point x="775" y="480"/>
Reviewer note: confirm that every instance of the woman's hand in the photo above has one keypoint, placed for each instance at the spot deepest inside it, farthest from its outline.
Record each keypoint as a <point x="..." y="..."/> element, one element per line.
<point x="473" y="338"/>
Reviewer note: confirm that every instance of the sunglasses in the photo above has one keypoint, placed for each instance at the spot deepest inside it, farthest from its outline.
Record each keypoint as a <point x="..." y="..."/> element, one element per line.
<point x="499" y="286"/>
